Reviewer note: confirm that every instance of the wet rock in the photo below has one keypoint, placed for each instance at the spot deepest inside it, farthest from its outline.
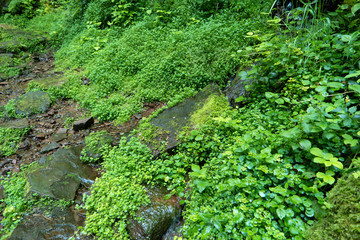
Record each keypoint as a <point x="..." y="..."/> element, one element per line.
<point x="157" y="217"/>
<point x="16" y="124"/>
<point x="60" y="175"/>
<point x="237" y="89"/>
<point x="32" y="102"/>
<point x="59" y="137"/>
<point x="172" y="121"/>
<point x="59" y="224"/>
<point x="49" y="147"/>
<point x="83" y="124"/>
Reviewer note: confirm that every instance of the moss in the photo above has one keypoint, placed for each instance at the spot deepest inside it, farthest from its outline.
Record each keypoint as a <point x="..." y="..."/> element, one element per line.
<point x="32" y="102"/>
<point x="342" y="220"/>
<point x="214" y="106"/>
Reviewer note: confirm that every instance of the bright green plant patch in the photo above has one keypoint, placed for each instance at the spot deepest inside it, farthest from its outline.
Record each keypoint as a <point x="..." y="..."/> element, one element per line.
<point x="10" y="140"/>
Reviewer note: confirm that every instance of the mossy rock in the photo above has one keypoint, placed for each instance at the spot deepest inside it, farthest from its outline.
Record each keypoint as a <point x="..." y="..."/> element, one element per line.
<point x="342" y="221"/>
<point x="13" y="40"/>
<point x="195" y="111"/>
<point x="59" y="175"/>
<point x="156" y="217"/>
<point x="32" y="102"/>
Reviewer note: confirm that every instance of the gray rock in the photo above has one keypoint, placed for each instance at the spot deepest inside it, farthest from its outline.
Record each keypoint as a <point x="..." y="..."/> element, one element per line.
<point x="32" y="102"/>
<point x="60" y="175"/>
<point x="237" y="88"/>
<point x="16" y="124"/>
<point x="49" y="147"/>
<point x="173" y="121"/>
<point x="157" y="217"/>
<point x="59" y="224"/>
<point x="83" y="124"/>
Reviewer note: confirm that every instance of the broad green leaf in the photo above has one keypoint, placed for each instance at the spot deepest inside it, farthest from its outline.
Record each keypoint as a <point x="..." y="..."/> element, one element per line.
<point x="279" y="101"/>
<point x="355" y="8"/>
<point x="337" y="164"/>
<point x="281" y="213"/>
<point x="199" y="138"/>
<point x="305" y="144"/>
<point x="317" y="152"/>
<point x="335" y="85"/>
<point x="355" y="87"/>
<point x="352" y="109"/>
<point x="201" y="185"/>
<point x="345" y="38"/>
<point x="355" y="74"/>
<point x="195" y="168"/>
<point x="319" y="160"/>
<point x="320" y="175"/>
<point x="295" y="199"/>
<point x="328" y="179"/>
<point x="291" y="133"/>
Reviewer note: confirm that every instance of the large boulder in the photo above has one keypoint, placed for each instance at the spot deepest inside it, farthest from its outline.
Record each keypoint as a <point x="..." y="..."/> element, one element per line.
<point x="59" y="224"/>
<point x="163" y="131"/>
<point x="32" y="102"/>
<point x="60" y="174"/>
<point x="157" y="217"/>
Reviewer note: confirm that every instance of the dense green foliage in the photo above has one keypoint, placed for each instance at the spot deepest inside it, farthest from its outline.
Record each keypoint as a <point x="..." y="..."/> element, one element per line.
<point x="260" y="171"/>
<point x="119" y="192"/>
<point x="10" y="140"/>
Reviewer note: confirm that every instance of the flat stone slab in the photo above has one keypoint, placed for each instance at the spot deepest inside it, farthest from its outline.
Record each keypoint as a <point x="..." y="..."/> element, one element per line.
<point x="83" y="124"/>
<point x="172" y="121"/>
<point x="59" y="224"/>
<point x="60" y="174"/>
<point x="32" y="102"/>
<point x="16" y="124"/>
<point x="49" y="147"/>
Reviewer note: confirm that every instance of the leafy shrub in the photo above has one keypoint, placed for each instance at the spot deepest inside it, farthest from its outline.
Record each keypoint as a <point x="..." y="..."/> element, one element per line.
<point x="119" y="192"/>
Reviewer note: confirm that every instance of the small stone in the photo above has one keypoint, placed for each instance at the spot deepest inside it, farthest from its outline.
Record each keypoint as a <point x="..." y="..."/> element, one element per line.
<point x="61" y="130"/>
<point x="49" y="147"/>
<point x="83" y="123"/>
<point x="24" y="145"/>
<point x="59" y="137"/>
